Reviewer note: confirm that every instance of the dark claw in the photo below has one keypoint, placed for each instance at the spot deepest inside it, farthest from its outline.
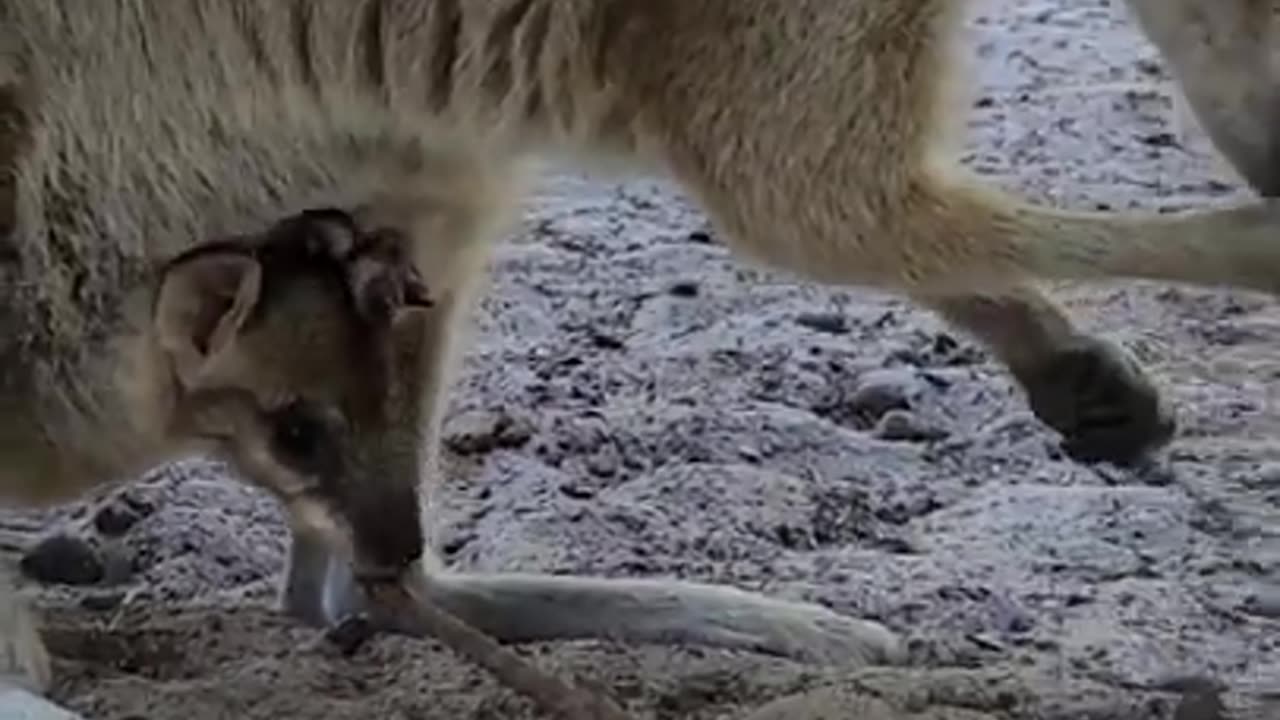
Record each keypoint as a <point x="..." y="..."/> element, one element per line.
<point x="351" y="633"/>
<point x="1101" y="402"/>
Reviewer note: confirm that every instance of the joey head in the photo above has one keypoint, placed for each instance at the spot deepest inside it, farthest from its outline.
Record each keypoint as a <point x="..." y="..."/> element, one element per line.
<point x="292" y="355"/>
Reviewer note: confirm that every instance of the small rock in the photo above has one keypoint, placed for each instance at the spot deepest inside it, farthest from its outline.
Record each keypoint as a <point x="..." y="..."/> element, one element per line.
<point x="102" y="603"/>
<point x="605" y="341"/>
<point x="1046" y="645"/>
<point x="906" y="426"/>
<point x="701" y="237"/>
<point x="684" y="289"/>
<point x="603" y="464"/>
<point x="1154" y="474"/>
<point x="880" y="391"/>
<point x="1077" y="599"/>
<point x="63" y="559"/>
<point x="576" y="491"/>
<point x="830" y="323"/>
<point x="793" y="538"/>
<point x="479" y="431"/>
<point x="117" y="564"/>
<point x="1267" y="475"/>
<point x="455" y="544"/>
<point x="1188" y="684"/>
<point x="116" y="517"/>
<point x="1265" y="604"/>
<point x="1160" y="140"/>
<point x="1200" y="706"/>
<point x="986" y="642"/>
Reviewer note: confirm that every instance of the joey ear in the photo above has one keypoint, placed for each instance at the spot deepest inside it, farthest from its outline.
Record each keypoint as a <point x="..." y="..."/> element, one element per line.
<point x="204" y="300"/>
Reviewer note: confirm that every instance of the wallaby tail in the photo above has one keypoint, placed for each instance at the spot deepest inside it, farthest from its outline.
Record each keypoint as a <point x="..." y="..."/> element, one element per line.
<point x="1236" y="246"/>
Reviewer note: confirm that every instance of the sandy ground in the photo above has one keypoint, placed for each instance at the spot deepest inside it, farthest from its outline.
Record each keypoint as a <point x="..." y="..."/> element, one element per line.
<point x="692" y="420"/>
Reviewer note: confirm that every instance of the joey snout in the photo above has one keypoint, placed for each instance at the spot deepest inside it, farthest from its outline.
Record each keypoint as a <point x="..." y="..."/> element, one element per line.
<point x="386" y="533"/>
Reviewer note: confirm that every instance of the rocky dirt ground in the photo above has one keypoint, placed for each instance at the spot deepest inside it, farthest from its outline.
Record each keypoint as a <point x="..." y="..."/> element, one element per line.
<point x="636" y="402"/>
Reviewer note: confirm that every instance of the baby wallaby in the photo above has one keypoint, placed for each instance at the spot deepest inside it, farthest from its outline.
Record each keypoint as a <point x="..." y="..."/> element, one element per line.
<point x="813" y="132"/>
<point x="283" y="353"/>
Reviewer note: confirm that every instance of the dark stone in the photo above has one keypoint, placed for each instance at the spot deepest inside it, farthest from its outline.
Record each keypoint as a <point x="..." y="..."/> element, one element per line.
<point x="102" y="603"/>
<point x="684" y="289"/>
<point x="63" y="559"/>
<point x="830" y="323"/>
<point x="115" y="518"/>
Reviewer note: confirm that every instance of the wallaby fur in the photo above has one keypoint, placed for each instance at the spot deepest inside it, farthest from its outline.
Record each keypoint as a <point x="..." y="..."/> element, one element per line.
<point x="814" y="132"/>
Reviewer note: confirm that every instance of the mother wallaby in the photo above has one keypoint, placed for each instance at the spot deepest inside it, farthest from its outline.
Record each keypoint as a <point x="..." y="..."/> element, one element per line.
<point x="812" y="131"/>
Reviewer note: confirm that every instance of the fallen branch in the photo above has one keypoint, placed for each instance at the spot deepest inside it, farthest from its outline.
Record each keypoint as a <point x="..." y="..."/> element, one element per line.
<point x="420" y="617"/>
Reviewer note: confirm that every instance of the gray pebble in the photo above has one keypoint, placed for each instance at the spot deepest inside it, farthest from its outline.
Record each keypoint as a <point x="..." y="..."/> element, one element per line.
<point x="604" y="463"/>
<point x="116" y="517"/>
<point x="478" y="432"/>
<point x="906" y="426"/>
<point x="1267" y="475"/>
<point x="880" y="391"/>
<point x="830" y="323"/>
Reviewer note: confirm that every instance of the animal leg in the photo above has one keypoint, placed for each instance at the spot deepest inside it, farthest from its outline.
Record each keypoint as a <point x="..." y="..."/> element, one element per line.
<point x="1088" y="389"/>
<point x="1225" y="56"/>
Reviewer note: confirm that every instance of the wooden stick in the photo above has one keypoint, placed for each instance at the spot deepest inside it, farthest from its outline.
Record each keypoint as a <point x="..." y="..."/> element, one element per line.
<point x="418" y="616"/>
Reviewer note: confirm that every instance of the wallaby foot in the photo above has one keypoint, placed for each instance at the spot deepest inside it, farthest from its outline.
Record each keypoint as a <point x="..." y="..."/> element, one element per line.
<point x="1088" y="389"/>
<point x="24" y="661"/>
<point x="1099" y="398"/>
<point x="529" y="608"/>
<point x="321" y="591"/>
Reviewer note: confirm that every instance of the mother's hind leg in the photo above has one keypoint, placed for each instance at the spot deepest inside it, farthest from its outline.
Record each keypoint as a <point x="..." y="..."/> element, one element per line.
<point x="1225" y="55"/>
<point x="1086" y="388"/>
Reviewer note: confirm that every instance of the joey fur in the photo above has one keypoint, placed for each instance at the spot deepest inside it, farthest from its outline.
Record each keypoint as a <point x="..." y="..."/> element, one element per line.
<point x="817" y="134"/>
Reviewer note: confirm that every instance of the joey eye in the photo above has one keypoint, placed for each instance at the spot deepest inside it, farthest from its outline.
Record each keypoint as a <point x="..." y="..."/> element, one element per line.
<point x="300" y="436"/>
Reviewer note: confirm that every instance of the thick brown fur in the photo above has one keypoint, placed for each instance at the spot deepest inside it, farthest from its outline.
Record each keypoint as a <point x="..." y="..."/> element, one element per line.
<point x="814" y="132"/>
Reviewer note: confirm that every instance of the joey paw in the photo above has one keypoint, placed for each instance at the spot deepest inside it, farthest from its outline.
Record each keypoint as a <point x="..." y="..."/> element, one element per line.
<point x="1102" y="402"/>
